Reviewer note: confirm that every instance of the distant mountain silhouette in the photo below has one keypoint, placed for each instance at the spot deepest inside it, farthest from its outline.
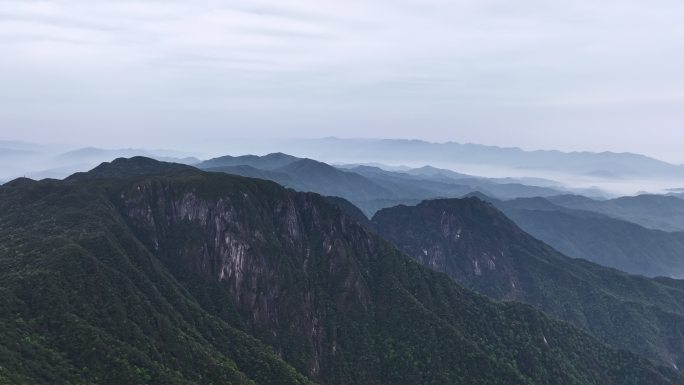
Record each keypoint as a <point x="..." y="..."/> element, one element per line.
<point x="40" y="162"/>
<point x="599" y="238"/>
<point x="266" y="162"/>
<point x="368" y="187"/>
<point x="94" y="154"/>
<point x="603" y="164"/>
<point x="652" y="211"/>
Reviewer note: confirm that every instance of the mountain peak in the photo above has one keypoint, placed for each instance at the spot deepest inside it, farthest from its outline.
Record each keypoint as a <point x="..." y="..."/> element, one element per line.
<point x="279" y="155"/>
<point x="266" y="162"/>
<point x="428" y="170"/>
<point x="474" y="217"/>
<point x="309" y="164"/>
<point x="21" y="181"/>
<point x="481" y="196"/>
<point x="126" y="167"/>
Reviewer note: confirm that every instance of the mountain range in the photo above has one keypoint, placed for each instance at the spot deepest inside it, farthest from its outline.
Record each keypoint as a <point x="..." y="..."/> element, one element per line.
<point x="600" y="238"/>
<point x="588" y="173"/>
<point x="144" y="272"/>
<point x="479" y="247"/>
<point x="615" y="232"/>
<point x="659" y="212"/>
<point x="370" y="188"/>
<point x="21" y="159"/>
<point x="604" y="165"/>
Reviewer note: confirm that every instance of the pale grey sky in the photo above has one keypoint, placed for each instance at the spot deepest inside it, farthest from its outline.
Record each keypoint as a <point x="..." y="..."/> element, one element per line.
<point x="580" y="74"/>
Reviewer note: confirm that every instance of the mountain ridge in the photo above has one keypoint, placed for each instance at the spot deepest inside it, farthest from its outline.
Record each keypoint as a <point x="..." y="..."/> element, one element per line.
<point x="658" y="212"/>
<point x="277" y="282"/>
<point x="621" y="165"/>
<point x="479" y="247"/>
<point x="600" y="238"/>
<point x="370" y="188"/>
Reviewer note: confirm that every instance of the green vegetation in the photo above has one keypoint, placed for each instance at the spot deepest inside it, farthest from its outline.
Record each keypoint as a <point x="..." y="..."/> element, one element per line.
<point x="84" y="302"/>
<point x="479" y="247"/>
<point x="179" y="277"/>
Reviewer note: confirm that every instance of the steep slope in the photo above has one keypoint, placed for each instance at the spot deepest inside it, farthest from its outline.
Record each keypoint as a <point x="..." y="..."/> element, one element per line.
<point x="163" y="278"/>
<point x="311" y="175"/>
<point x="659" y="212"/>
<point x="350" y="210"/>
<point x="478" y="246"/>
<point x="304" y="175"/>
<point x="83" y="301"/>
<point x="599" y="238"/>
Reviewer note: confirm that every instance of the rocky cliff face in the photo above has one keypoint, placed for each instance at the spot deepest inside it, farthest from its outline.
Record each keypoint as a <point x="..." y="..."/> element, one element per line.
<point x="332" y="299"/>
<point x="469" y="241"/>
<point x="272" y="255"/>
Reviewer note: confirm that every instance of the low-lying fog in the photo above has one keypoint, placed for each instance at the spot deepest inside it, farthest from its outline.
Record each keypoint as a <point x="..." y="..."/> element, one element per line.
<point x="39" y="161"/>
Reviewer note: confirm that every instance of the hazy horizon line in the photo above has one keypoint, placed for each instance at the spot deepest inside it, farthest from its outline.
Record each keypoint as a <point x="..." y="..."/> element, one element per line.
<point x="204" y="152"/>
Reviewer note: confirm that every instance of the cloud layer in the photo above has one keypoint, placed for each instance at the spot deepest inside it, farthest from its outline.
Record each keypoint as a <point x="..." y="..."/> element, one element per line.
<point x="580" y="74"/>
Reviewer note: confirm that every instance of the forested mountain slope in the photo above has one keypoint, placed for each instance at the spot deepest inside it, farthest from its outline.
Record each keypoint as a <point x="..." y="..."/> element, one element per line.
<point x="479" y="247"/>
<point x="174" y="276"/>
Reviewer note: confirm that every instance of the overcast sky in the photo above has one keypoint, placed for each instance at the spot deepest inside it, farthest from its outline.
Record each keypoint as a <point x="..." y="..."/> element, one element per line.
<point x="580" y="74"/>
